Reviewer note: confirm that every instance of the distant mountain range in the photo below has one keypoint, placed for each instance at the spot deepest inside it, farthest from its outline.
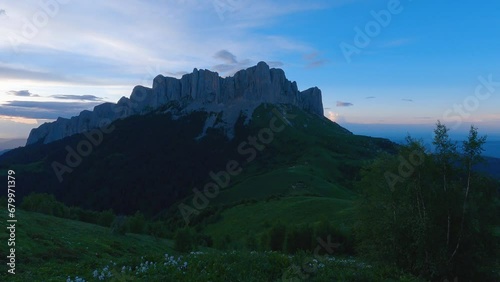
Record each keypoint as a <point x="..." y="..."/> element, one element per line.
<point x="9" y="144"/>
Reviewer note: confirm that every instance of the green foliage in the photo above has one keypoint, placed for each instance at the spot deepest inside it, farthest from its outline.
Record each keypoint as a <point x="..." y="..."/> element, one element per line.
<point x="277" y="236"/>
<point x="251" y="243"/>
<point x="299" y="238"/>
<point x="430" y="217"/>
<point x="158" y="229"/>
<point x="50" y="248"/>
<point x="44" y="203"/>
<point x="137" y="223"/>
<point x="119" y="225"/>
<point x="106" y="217"/>
<point x="184" y="240"/>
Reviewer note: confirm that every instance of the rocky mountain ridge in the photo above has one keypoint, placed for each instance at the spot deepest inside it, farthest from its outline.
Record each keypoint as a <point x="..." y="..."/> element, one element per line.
<point x="199" y="90"/>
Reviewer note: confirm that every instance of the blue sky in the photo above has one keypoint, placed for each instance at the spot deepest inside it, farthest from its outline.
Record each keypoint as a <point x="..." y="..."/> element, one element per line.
<point x="414" y="63"/>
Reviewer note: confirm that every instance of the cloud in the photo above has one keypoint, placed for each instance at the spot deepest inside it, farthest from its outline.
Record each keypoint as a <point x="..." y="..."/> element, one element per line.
<point x="275" y="64"/>
<point x="176" y="73"/>
<point x="77" y="97"/>
<point x="226" y="56"/>
<point x="326" y="108"/>
<point x="370" y="97"/>
<point x="230" y="63"/>
<point x="313" y="60"/>
<point x="332" y="116"/>
<point x="19" y="120"/>
<point x="344" y="104"/>
<point x="176" y="34"/>
<point x="26" y="74"/>
<point x="2" y="12"/>
<point x="22" y="93"/>
<point x="44" y="110"/>
<point x="335" y="117"/>
<point x="407" y="100"/>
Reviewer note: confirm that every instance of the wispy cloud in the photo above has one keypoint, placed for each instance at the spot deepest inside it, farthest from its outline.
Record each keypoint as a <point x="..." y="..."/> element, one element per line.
<point x="275" y="64"/>
<point x="21" y="120"/>
<point x="8" y="72"/>
<point x="344" y="104"/>
<point x="178" y="34"/>
<point x="229" y="63"/>
<point x="2" y="12"/>
<point x="370" y="97"/>
<point x="226" y="56"/>
<point x="313" y="60"/>
<point x="77" y="97"/>
<point x="22" y="93"/>
<point x="44" y="110"/>
<point x="332" y="116"/>
<point x="407" y="100"/>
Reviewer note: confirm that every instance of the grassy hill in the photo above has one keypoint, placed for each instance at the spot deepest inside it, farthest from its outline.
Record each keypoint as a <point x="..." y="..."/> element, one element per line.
<point x="51" y="249"/>
<point x="54" y="249"/>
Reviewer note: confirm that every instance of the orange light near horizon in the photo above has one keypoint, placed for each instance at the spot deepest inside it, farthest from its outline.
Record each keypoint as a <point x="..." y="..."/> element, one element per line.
<point x="19" y="119"/>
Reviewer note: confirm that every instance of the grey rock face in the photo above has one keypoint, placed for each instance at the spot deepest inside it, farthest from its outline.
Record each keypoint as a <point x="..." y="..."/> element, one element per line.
<point x="201" y="89"/>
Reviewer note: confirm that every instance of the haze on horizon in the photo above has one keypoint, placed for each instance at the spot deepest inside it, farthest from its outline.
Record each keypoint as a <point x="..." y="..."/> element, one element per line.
<point x="385" y="67"/>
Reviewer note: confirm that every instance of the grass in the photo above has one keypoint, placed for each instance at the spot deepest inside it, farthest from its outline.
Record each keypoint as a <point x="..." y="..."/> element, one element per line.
<point x="50" y="248"/>
<point x="55" y="249"/>
<point x="241" y="220"/>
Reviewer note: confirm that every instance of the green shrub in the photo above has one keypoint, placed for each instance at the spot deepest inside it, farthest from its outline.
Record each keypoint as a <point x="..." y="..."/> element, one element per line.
<point x="137" y="223"/>
<point x="277" y="237"/>
<point x="119" y="225"/>
<point x="106" y="218"/>
<point x="299" y="238"/>
<point x="184" y="240"/>
<point x="46" y="204"/>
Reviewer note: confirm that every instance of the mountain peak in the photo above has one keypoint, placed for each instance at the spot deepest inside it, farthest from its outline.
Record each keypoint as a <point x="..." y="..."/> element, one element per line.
<point x="199" y="90"/>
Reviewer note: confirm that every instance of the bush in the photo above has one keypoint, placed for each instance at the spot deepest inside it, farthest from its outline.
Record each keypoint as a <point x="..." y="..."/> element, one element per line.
<point x="137" y="223"/>
<point x="277" y="237"/>
<point x="251" y="243"/>
<point x="299" y="238"/>
<point x="157" y="229"/>
<point x="184" y="240"/>
<point x="46" y="204"/>
<point x="119" y="225"/>
<point x="84" y="215"/>
<point x="106" y="218"/>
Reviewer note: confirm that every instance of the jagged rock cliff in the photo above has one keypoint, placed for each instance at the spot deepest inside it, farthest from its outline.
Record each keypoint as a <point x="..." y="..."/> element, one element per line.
<point x="199" y="90"/>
